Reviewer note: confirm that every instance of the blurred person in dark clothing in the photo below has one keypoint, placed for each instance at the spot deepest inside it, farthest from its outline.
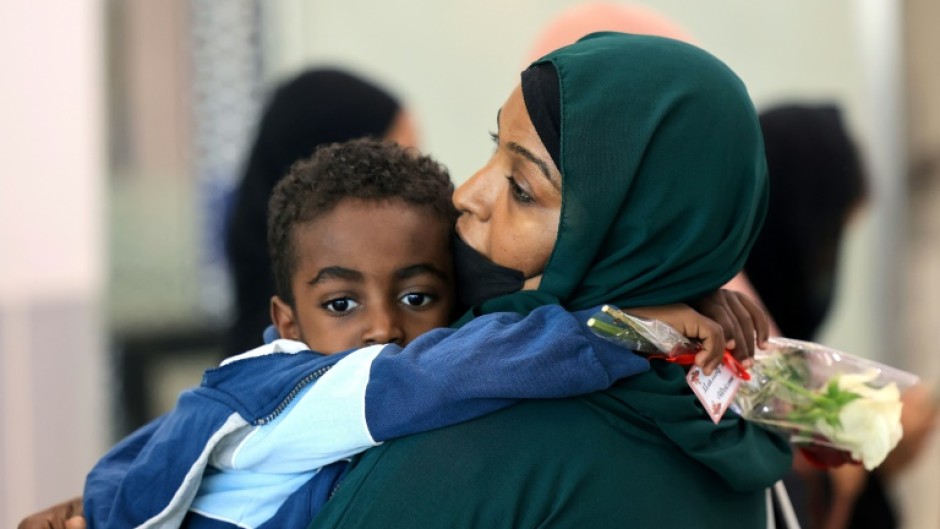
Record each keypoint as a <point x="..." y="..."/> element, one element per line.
<point x="817" y="186"/>
<point x="317" y="107"/>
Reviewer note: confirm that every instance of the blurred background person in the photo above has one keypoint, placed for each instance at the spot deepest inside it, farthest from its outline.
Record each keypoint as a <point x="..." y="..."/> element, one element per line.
<point x="818" y="186"/>
<point x="570" y="24"/>
<point x="317" y="107"/>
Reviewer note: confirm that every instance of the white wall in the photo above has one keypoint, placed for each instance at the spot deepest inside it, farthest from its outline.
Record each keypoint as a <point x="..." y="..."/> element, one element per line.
<point x="51" y="251"/>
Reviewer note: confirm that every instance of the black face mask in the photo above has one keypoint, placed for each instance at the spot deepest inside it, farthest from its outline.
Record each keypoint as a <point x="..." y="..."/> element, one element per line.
<point x="479" y="279"/>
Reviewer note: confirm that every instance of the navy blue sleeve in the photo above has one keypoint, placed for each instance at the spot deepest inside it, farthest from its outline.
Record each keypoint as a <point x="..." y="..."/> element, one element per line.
<point x="449" y="376"/>
<point x="104" y="480"/>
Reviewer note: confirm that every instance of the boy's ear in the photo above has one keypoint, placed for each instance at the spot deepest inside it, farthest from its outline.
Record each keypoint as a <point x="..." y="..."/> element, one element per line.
<point x="282" y="315"/>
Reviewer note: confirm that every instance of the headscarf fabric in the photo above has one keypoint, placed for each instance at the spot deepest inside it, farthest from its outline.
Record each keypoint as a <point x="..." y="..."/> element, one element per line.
<point x="664" y="180"/>
<point x="317" y="107"/>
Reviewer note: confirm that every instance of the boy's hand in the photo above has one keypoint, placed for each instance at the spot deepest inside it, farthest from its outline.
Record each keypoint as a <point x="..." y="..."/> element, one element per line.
<point x="692" y="325"/>
<point x="740" y="317"/>
<point x="66" y="515"/>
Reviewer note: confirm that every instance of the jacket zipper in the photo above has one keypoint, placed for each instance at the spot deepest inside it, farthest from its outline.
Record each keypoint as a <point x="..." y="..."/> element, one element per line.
<point x="290" y="396"/>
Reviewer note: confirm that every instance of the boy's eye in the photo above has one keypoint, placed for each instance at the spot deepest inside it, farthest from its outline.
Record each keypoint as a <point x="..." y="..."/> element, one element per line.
<point x="416" y="299"/>
<point x="340" y="305"/>
<point x="518" y="193"/>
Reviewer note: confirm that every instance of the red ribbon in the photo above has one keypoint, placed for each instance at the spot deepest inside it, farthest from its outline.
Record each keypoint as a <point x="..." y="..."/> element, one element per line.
<point x="688" y="359"/>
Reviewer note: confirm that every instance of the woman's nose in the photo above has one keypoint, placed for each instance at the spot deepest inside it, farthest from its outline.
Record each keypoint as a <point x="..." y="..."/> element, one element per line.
<point x="383" y="326"/>
<point x="470" y="197"/>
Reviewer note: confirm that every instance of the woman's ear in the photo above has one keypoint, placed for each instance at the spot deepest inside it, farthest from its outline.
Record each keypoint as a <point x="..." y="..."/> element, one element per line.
<point x="282" y="315"/>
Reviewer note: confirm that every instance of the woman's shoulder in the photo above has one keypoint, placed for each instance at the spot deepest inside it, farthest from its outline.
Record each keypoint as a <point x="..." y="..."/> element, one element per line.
<point x="592" y="461"/>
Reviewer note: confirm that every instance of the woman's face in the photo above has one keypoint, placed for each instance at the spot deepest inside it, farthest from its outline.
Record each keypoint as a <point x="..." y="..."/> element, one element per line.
<point x="510" y="209"/>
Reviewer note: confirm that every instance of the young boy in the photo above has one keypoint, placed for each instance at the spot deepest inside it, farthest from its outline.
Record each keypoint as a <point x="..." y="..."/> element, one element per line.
<point x="360" y="243"/>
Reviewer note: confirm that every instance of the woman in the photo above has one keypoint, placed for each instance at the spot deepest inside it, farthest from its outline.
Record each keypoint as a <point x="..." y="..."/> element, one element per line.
<point x="315" y="108"/>
<point x="628" y="170"/>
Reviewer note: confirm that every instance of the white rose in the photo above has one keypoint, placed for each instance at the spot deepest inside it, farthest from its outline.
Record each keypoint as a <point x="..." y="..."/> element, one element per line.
<point x="870" y="426"/>
<point x="859" y="383"/>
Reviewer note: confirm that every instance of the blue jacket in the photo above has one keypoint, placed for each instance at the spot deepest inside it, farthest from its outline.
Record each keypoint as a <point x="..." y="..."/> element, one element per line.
<point x="263" y="441"/>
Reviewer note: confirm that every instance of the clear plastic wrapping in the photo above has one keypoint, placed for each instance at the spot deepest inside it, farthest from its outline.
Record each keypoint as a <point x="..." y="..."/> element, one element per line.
<point x="836" y="406"/>
<point x="823" y="398"/>
<point x="642" y="335"/>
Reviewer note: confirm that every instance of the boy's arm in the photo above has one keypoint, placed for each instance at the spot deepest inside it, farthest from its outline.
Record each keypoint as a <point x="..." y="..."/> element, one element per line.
<point x="151" y="476"/>
<point x="444" y="377"/>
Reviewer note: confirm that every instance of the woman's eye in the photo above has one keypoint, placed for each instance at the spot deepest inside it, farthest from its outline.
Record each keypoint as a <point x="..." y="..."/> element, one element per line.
<point x="340" y="305"/>
<point x="416" y="299"/>
<point x="518" y="193"/>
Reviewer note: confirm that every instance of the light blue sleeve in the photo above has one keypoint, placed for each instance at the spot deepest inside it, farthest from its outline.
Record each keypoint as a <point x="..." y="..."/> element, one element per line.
<point x="324" y="423"/>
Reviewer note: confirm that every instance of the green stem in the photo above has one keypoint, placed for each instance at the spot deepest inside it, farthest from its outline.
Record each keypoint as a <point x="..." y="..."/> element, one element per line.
<point x="605" y="328"/>
<point x="796" y="388"/>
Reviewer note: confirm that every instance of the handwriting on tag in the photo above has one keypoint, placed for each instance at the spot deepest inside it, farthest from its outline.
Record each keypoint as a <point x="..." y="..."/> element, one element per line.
<point x="716" y="391"/>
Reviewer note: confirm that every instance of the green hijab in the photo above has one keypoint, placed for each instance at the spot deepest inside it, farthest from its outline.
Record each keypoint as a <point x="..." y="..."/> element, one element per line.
<point x="664" y="188"/>
<point x="664" y="182"/>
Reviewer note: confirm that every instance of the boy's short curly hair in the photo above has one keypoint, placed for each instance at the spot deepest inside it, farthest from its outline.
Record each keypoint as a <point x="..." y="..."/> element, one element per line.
<point x="364" y="169"/>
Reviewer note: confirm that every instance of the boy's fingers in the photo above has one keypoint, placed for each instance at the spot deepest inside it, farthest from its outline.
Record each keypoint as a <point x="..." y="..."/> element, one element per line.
<point x="706" y="362"/>
<point x="701" y="360"/>
<point x="760" y="318"/>
<point x="716" y="362"/>
<point x="744" y="345"/>
<point x="713" y="345"/>
<point x="719" y="312"/>
<point x="731" y="321"/>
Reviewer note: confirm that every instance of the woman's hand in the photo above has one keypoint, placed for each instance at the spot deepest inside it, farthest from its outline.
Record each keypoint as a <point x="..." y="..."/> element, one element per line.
<point x="740" y="317"/>
<point x="692" y="325"/>
<point x="66" y="515"/>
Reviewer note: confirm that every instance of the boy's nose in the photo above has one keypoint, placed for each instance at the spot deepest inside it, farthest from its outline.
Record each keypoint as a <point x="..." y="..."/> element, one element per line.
<point x="384" y="326"/>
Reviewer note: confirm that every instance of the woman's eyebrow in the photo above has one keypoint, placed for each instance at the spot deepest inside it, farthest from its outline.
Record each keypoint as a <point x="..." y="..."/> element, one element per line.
<point x="528" y="155"/>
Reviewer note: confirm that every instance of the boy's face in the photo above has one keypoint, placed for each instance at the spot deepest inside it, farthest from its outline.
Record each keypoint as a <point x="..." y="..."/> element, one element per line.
<point x="368" y="273"/>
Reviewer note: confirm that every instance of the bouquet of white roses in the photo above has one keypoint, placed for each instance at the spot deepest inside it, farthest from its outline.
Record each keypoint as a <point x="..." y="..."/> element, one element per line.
<point x="835" y="406"/>
<point x="824" y="398"/>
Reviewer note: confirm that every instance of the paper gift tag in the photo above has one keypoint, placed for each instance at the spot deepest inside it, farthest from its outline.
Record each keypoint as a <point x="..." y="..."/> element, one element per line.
<point x="715" y="392"/>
